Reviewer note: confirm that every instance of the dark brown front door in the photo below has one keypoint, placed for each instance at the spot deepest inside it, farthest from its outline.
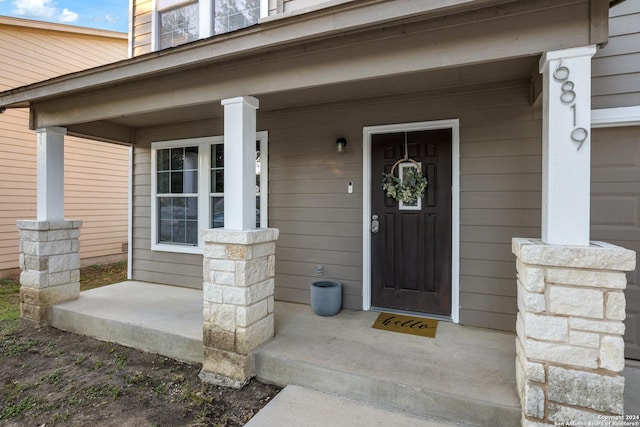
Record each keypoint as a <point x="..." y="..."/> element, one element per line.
<point x="411" y="252"/>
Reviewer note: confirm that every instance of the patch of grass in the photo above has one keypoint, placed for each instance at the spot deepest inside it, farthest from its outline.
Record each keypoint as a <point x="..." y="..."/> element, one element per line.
<point x="121" y="360"/>
<point x="52" y="378"/>
<point x="86" y="396"/>
<point x="14" y="408"/>
<point x="14" y="347"/>
<point x="195" y="396"/>
<point x="138" y="378"/>
<point x="201" y="419"/>
<point x="95" y="276"/>
<point x="9" y="304"/>
<point x="60" y="418"/>
<point x="160" y="390"/>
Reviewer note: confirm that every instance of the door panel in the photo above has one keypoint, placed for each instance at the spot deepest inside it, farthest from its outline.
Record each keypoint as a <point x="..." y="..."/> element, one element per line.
<point x="615" y="209"/>
<point x="411" y="253"/>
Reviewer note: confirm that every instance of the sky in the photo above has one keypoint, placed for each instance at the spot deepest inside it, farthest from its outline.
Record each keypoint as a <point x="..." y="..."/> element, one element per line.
<point x="102" y="14"/>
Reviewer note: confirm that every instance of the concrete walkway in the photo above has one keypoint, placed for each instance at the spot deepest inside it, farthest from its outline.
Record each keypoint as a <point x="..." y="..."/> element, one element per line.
<point x="301" y="407"/>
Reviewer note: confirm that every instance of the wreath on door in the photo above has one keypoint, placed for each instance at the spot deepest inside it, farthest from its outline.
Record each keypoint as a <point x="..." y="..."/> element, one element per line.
<point x="407" y="188"/>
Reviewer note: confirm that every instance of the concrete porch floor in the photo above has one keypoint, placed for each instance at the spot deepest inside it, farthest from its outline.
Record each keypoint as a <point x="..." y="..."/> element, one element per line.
<point x="464" y="375"/>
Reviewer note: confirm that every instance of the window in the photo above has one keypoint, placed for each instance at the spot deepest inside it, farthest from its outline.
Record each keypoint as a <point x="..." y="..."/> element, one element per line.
<point x="178" y="25"/>
<point x="188" y="190"/>
<point x="230" y="15"/>
<point x="180" y="21"/>
<point x="177" y="195"/>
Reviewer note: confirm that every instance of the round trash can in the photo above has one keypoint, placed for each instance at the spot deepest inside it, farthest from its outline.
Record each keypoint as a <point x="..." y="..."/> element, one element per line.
<point x="326" y="297"/>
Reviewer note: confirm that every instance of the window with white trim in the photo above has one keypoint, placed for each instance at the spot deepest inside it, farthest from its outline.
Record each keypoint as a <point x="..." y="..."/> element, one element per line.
<point x="231" y="15"/>
<point x="187" y="179"/>
<point x="178" y="25"/>
<point x="176" y="22"/>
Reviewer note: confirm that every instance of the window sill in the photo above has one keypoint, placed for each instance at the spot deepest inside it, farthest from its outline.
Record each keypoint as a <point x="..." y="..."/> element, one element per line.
<point x="195" y="250"/>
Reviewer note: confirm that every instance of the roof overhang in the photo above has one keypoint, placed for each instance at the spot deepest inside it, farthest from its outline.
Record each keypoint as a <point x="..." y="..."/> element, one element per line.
<point x="362" y="49"/>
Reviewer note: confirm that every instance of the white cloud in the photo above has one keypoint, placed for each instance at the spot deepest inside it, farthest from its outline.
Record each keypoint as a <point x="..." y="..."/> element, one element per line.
<point x="106" y="18"/>
<point x="111" y="19"/>
<point x="68" y="16"/>
<point x="43" y="9"/>
<point x="35" y="8"/>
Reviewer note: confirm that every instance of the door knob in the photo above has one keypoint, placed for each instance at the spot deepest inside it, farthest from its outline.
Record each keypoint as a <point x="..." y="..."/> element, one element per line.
<point x="375" y="225"/>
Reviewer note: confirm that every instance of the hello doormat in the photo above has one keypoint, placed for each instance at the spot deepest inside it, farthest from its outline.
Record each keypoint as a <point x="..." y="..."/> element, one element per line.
<point x="406" y="324"/>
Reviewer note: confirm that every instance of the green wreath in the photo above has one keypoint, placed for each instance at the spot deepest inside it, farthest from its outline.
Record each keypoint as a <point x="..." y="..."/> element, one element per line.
<point x="408" y="191"/>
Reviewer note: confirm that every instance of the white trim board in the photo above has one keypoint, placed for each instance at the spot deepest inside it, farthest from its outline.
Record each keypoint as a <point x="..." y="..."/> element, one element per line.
<point x="615" y="117"/>
<point x="130" y="217"/>
<point x="367" y="132"/>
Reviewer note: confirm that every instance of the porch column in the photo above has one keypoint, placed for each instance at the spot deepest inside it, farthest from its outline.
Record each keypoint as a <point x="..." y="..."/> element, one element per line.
<point x="566" y="146"/>
<point x="50" y="175"/>
<point x="571" y="304"/>
<point x="240" y="162"/>
<point x="239" y="261"/>
<point x="49" y="246"/>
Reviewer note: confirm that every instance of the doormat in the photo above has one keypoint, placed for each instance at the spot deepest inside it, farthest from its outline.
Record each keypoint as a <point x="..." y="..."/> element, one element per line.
<point x="406" y="324"/>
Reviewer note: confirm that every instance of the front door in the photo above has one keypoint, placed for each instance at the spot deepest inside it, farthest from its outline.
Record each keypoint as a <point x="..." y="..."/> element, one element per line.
<point x="411" y="248"/>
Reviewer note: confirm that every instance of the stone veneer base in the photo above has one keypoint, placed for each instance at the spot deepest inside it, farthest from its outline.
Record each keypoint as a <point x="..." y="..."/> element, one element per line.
<point x="569" y="346"/>
<point x="238" y="289"/>
<point x="50" y="267"/>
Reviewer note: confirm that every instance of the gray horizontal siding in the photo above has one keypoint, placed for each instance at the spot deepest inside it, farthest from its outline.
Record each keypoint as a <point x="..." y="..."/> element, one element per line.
<point x="616" y="67"/>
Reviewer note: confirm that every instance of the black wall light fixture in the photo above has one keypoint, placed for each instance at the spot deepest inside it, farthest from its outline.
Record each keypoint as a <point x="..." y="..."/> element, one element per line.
<point x="341" y="143"/>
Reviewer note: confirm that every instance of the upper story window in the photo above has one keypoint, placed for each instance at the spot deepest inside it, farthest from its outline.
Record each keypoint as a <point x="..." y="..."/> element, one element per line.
<point x="230" y="15"/>
<point x="181" y="21"/>
<point x="178" y="25"/>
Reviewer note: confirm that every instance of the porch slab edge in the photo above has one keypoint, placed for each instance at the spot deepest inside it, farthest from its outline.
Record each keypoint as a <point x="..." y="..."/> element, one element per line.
<point x="422" y="402"/>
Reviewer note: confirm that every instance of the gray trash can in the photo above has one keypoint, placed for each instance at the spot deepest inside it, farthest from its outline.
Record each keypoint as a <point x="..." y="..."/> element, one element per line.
<point x="326" y="297"/>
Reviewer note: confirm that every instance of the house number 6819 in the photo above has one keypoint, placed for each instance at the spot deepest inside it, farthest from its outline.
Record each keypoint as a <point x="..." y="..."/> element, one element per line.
<point x="567" y="96"/>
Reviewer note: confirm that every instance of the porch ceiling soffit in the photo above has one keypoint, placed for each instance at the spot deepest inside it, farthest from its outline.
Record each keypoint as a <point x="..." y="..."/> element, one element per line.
<point x="104" y="131"/>
<point x="487" y="35"/>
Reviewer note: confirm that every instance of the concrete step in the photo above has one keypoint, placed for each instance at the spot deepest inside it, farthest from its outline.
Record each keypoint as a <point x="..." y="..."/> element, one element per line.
<point x="301" y="407"/>
<point x="165" y="320"/>
<point x="464" y="375"/>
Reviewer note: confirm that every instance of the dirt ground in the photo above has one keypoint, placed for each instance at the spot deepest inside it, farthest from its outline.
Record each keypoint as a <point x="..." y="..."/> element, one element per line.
<point x="49" y="377"/>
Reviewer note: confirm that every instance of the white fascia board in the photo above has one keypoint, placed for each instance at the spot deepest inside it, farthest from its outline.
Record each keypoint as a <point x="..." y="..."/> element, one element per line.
<point x="615" y="117"/>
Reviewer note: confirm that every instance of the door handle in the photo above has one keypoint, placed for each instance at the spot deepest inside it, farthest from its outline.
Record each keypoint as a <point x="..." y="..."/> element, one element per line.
<point x="375" y="225"/>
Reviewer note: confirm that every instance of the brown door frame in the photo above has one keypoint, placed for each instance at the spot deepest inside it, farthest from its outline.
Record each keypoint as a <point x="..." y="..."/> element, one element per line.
<point x="367" y="132"/>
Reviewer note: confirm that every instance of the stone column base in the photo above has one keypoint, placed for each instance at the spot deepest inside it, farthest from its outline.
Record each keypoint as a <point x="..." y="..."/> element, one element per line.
<point x="50" y="264"/>
<point x="569" y="346"/>
<point x="238" y="288"/>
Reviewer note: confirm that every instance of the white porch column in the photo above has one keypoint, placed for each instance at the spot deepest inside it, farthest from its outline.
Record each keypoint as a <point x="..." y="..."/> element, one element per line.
<point x="566" y="146"/>
<point x="240" y="162"/>
<point x="50" y="151"/>
<point x="50" y="245"/>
